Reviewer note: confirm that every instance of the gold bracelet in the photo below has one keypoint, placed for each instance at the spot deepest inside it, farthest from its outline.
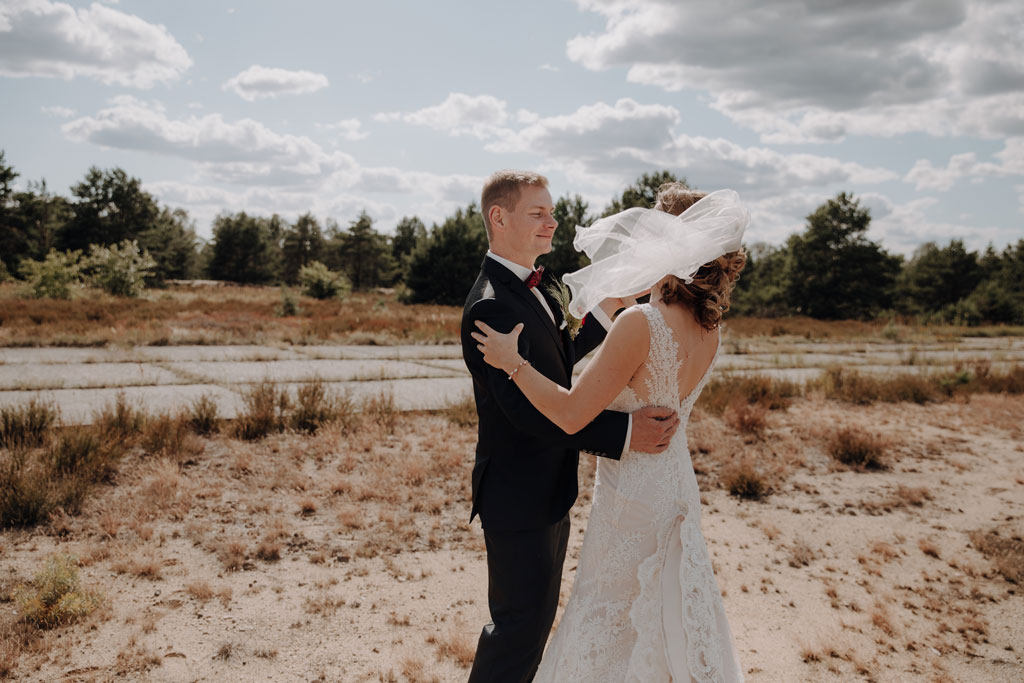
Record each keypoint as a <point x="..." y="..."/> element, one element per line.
<point x="513" y="373"/>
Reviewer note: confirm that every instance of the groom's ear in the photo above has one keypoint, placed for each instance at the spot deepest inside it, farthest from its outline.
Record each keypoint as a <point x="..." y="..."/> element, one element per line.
<point x="496" y="217"/>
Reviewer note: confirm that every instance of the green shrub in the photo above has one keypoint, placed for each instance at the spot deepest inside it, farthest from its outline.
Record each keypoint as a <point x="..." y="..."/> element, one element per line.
<point x="120" y="269"/>
<point x="55" y="277"/>
<point x="319" y="282"/>
<point x="289" y="304"/>
<point x="26" y="426"/>
<point x="55" y="596"/>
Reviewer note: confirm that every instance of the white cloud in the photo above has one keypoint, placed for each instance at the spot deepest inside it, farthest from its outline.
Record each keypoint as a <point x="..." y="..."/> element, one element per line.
<point x="927" y="176"/>
<point x="348" y="129"/>
<point x="797" y="71"/>
<point x="607" y="146"/>
<point x="58" y="112"/>
<point x="39" y="38"/>
<point x="548" y="67"/>
<point x="909" y="225"/>
<point x="594" y="131"/>
<point x="243" y="151"/>
<point x="481" y="116"/>
<point x="365" y="76"/>
<point x="260" y="82"/>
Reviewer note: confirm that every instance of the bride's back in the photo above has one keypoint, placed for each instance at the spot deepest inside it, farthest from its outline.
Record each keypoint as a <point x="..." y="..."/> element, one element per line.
<point x="688" y="352"/>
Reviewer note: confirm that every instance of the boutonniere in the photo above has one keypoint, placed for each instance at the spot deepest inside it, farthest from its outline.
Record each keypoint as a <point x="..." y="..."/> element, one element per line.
<point x="562" y="296"/>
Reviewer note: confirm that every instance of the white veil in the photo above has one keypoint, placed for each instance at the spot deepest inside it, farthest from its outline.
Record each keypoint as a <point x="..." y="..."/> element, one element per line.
<point x="631" y="250"/>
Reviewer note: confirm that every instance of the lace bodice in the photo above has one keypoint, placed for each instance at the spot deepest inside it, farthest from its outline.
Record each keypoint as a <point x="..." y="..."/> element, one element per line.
<point x="661" y="381"/>
<point x="645" y="605"/>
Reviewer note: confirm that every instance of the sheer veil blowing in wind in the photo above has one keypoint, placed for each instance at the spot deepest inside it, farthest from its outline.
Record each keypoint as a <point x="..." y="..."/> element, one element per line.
<point x="632" y="250"/>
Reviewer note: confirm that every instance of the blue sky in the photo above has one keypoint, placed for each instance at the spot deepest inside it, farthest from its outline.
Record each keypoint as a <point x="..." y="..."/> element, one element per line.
<point x="402" y="108"/>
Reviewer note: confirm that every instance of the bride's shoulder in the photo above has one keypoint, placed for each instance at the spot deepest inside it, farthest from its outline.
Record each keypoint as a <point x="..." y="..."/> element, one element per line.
<point x="631" y="326"/>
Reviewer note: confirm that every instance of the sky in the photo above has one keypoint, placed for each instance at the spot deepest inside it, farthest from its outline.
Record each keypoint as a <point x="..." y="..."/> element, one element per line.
<point x="403" y="108"/>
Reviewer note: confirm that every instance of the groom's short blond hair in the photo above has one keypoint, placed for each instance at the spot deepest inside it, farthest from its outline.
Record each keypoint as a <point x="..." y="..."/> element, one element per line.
<point x="502" y="188"/>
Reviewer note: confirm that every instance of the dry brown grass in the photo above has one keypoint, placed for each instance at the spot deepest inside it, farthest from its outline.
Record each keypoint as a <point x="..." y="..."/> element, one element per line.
<point x="1006" y="554"/>
<point x="801" y="554"/>
<point x="723" y="392"/>
<point x="171" y="437"/>
<point x="743" y="480"/>
<point x="220" y="314"/>
<point x="200" y="590"/>
<point x="858" y="448"/>
<point x="456" y="645"/>
<point x="748" y="418"/>
<point x="136" y="658"/>
<point x="928" y="548"/>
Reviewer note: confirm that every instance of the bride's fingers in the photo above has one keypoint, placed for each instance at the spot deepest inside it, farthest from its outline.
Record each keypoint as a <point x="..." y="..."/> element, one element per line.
<point x="484" y="326"/>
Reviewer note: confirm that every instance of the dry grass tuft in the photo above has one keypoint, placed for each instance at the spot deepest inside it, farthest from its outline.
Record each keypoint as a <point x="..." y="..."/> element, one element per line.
<point x="844" y="384"/>
<point x="928" y="548"/>
<point x="120" y="420"/>
<point x="462" y="413"/>
<point x="1006" y="554"/>
<point x="748" y="418"/>
<point x="264" y="412"/>
<point x="26" y="426"/>
<point x="203" y="416"/>
<point x="382" y="411"/>
<point x="232" y="555"/>
<point x="801" y="554"/>
<point x="200" y="590"/>
<point x="55" y="596"/>
<point x="268" y="550"/>
<point x="57" y="476"/>
<point x="316" y="407"/>
<point x="858" y="449"/>
<point x="743" y="480"/>
<point x="724" y="391"/>
<point x="171" y="437"/>
<point x="455" y="645"/>
<point x="135" y="659"/>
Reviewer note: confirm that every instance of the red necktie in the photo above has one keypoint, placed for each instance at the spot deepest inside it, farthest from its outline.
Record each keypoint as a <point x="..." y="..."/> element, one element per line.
<point x="534" y="278"/>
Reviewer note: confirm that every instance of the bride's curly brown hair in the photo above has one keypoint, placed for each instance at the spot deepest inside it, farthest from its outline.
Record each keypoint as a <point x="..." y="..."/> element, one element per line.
<point x="708" y="295"/>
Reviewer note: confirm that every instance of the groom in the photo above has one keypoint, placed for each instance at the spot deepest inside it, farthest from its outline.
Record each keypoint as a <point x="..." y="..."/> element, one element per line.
<point x="524" y="480"/>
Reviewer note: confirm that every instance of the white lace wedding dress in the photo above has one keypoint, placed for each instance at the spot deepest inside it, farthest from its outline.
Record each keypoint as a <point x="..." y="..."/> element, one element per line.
<point x="645" y="606"/>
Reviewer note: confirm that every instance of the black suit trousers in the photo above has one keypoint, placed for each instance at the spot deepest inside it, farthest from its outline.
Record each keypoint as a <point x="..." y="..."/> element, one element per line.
<point x="524" y="571"/>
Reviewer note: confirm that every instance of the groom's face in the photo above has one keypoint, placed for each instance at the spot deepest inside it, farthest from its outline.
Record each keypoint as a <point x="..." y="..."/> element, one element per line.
<point x="531" y="224"/>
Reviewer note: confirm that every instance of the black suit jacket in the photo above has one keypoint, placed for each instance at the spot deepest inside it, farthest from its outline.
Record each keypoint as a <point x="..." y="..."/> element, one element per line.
<point x="525" y="471"/>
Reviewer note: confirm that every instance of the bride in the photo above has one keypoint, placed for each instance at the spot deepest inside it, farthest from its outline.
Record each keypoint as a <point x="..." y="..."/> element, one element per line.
<point x="645" y="605"/>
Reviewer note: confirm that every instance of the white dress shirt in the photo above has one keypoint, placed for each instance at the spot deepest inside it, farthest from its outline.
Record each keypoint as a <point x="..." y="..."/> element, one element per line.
<point x="522" y="272"/>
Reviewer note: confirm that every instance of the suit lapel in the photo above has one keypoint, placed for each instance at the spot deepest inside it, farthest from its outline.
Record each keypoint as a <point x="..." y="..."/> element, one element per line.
<point x="517" y="287"/>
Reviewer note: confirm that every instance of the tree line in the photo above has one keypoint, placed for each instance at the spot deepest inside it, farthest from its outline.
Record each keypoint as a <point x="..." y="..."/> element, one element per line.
<point x="829" y="270"/>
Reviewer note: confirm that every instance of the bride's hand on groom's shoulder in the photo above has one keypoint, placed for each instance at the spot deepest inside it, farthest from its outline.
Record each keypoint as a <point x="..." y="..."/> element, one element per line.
<point x="499" y="350"/>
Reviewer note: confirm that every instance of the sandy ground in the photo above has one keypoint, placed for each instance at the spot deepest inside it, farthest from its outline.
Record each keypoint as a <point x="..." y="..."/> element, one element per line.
<point x="349" y="557"/>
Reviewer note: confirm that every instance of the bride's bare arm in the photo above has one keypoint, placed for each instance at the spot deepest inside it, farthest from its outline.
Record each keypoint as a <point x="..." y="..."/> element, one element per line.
<point x="617" y="359"/>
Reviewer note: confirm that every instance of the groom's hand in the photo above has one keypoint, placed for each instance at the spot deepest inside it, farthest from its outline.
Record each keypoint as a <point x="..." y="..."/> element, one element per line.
<point x="653" y="428"/>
